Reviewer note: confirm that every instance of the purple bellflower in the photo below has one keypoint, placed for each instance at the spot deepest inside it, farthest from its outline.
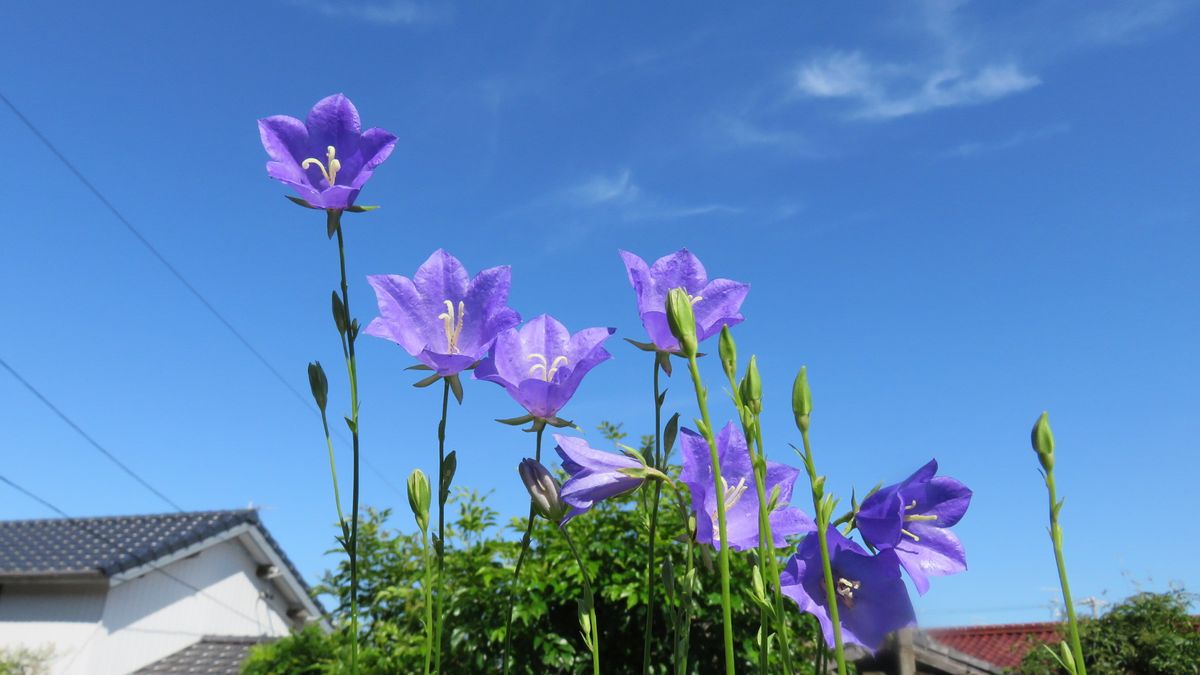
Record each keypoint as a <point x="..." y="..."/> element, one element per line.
<point x="716" y="303"/>
<point x="327" y="158"/>
<point x="594" y="475"/>
<point x="872" y="600"/>
<point x="442" y="316"/>
<point x="912" y="518"/>
<point x="541" y="364"/>
<point x="741" y="499"/>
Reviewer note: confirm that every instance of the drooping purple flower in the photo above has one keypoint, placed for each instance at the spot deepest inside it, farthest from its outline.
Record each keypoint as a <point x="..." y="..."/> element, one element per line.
<point x="442" y="316"/>
<point x="327" y="158"/>
<point x="544" y="491"/>
<point x="716" y="303"/>
<point x="872" y="600"/>
<point x="912" y="517"/>
<point x="741" y="498"/>
<point x="594" y="475"/>
<point x="541" y="364"/>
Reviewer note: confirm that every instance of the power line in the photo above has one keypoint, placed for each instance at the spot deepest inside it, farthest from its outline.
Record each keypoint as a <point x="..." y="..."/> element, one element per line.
<point x="77" y="524"/>
<point x="87" y="437"/>
<point x="179" y="277"/>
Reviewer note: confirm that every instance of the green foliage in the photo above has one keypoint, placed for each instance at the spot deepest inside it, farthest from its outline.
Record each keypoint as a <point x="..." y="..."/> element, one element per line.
<point x="546" y="635"/>
<point x="25" y="661"/>
<point x="1148" y="634"/>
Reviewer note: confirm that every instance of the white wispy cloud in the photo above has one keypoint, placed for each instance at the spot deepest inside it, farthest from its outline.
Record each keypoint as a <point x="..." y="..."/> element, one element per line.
<point x="973" y="148"/>
<point x="618" y="195"/>
<point x="600" y="189"/>
<point x="387" y="12"/>
<point x="1131" y="21"/>
<point x="742" y="133"/>
<point x="886" y="91"/>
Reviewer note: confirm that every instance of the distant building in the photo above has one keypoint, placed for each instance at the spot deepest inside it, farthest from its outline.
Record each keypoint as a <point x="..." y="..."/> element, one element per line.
<point x="115" y="595"/>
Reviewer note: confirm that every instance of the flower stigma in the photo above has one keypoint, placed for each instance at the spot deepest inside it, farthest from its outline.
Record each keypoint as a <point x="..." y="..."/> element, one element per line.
<point x="329" y="168"/>
<point x="453" y="328"/>
<point x="846" y="589"/>
<point x="548" y="368"/>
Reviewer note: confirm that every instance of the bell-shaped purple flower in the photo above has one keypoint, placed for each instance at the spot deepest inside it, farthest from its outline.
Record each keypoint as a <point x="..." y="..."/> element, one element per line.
<point x="715" y="303"/>
<point x="442" y="316"/>
<point x="913" y="518"/>
<point x="741" y="498"/>
<point x="541" y="364"/>
<point x="594" y="475"/>
<point x="326" y="158"/>
<point x="872" y="600"/>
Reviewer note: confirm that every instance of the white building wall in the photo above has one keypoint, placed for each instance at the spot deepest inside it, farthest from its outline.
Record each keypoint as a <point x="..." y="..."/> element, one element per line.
<point x="215" y="592"/>
<point x="65" y="617"/>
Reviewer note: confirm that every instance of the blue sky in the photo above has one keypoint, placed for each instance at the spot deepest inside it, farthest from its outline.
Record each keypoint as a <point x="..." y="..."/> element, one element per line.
<point x="956" y="214"/>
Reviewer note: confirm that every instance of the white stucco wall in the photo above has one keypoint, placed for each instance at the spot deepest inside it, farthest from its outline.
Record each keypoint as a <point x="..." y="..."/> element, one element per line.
<point x="141" y="620"/>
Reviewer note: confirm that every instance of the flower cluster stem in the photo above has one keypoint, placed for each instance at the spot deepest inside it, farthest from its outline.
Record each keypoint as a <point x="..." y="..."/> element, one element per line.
<point x="512" y="592"/>
<point x="594" y="638"/>
<point x="650" y="566"/>
<point x="822" y="529"/>
<point x="348" y="337"/>
<point x="441" y="537"/>
<point x="718" y="486"/>
<point x="772" y="563"/>
<point x="430" y="629"/>
<point x="1057" y="539"/>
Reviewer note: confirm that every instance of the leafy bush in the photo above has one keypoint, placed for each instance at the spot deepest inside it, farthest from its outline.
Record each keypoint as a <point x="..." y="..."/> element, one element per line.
<point x="546" y="633"/>
<point x="25" y="661"/>
<point x="1148" y="634"/>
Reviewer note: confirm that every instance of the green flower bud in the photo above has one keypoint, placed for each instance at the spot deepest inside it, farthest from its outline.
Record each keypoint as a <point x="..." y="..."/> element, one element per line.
<point x="728" y="353"/>
<point x="419" y="495"/>
<point x="751" y="387"/>
<point x="319" y="384"/>
<point x="682" y="321"/>
<point x="543" y="490"/>
<point x="801" y="400"/>
<point x="1043" y="441"/>
<point x="339" y="313"/>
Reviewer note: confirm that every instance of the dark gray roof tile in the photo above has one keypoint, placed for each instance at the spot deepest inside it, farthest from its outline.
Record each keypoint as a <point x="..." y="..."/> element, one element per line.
<point x="212" y="655"/>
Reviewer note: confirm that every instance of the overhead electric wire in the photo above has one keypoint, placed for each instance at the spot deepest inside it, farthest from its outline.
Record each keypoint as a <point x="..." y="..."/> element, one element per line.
<point x="87" y="437"/>
<point x="180" y="278"/>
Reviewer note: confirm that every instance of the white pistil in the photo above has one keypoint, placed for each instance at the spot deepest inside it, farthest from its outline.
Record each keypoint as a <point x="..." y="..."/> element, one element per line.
<point x="548" y="367"/>
<point x="329" y="167"/>
<point x="846" y="589"/>
<point x="452" y="322"/>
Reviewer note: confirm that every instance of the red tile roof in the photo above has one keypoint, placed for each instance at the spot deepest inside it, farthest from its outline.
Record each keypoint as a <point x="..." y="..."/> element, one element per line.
<point x="1003" y="645"/>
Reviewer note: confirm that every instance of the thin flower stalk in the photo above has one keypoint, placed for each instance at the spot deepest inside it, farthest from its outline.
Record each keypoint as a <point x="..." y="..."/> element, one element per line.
<point x="594" y="637"/>
<point x="439" y="611"/>
<point x="650" y="566"/>
<point x="822" y="529"/>
<point x="718" y="485"/>
<point x="512" y="592"/>
<point x="1043" y="444"/>
<point x="772" y="572"/>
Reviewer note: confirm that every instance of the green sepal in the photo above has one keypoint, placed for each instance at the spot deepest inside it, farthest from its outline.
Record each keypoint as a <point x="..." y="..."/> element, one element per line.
<point x="642" y="472"/>
<point x="360" y="209"/>
<point x="426" y="381"/>
<point x="632" y="453"/>
<point x="419" y="366"/>
<point x="333" y="221"/>
<point x="644" y="346"/>
<point x="339" y="313"/>
<point x="456" y="387"/>
<point x="664" y="362"/>
<point x="560" y="423"/>
<point x="351" y="424"/>
<point x="300" y="202"/>
<point x="670" y="433"/>
<point x="773" y="502"/>
<point x="516" y="421"/>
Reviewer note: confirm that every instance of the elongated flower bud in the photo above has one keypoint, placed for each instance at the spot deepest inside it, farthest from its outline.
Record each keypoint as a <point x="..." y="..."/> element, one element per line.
<point x="418" y="497"/>
<point x="543" y="490"/>
<point x="319" y="384"/>
<point x="1043" y="441"/>
<point x="728" y="352"/>
<point x="682" y="321"/>
<point x="801" y="399"/>
<point x="751" y="387"/>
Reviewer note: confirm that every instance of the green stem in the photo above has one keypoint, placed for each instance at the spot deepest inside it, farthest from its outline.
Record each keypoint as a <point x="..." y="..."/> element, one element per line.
<point x="441" y="540"/>
<point x="429" y="627"/>
<point x="512" y="592"/>
<point x="650" y="567"/>
<point x="718" y="486"/>
<point x="337" y="496"/>
<point x="591" y="600"/>
<point x="1056" y="537"/>
<point x="822" y="529"/>
<point x="772" y="562"/>
<point x="352" y="371"/>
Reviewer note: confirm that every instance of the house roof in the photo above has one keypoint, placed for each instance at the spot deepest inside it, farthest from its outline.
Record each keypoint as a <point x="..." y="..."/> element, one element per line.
<point x="212" y="655"/>
<point x="106" y="546"/>
<point x="1004" y="644"/>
